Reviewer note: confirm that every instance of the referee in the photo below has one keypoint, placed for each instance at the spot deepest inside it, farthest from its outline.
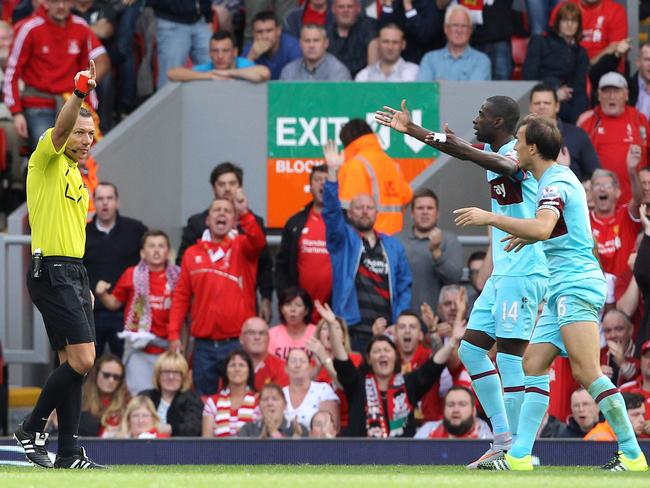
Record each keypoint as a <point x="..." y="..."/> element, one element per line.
<point x="57" y="201"/>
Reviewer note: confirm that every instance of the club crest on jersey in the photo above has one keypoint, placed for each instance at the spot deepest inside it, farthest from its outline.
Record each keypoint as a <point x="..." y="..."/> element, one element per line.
<point x="550" y="192"/>
<point x="73" y="47"/>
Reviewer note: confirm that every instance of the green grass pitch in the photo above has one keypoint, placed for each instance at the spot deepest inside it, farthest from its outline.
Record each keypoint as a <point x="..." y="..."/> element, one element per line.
<point x="314" y="477"/>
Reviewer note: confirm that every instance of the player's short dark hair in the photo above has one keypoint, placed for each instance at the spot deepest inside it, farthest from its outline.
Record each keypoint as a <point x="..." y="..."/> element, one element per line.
<point x="320" y="168"/>
<point x="264" y="16"/>
<point x="462" y="388"/>
<point x="632" y="400"/>
<point x="290" y="294"/>
<point x="544" y="134"/>
<point x="354" y="129"/>
<point x="507" y="109"/>
<point x="109" y="184"/>
<point x="423" y="192"/>
<point x="226" y="167"/>
<point x="476" y="256"/>
<point x="84" y="112"/>
<point x="392" y="25"/>
<point x="153" y="233"/>
<point x="222" y="35"/>
<point x="543" y="88"/>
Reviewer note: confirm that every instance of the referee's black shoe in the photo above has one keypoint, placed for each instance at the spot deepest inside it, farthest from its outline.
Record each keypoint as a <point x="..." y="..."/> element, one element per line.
<point x="78" y="460"/>
<point x="33" y="443"/>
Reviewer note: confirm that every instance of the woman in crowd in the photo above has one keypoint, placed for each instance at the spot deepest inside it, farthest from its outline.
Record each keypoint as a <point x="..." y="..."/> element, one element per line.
<point x="380" y="398"/>
<point x="556" y="58"/>
<point x="140" y="420"/>
<point x="323" y="356"/>
<point x="295" y="307"/>
<point x="105" y="397"/>
<point x="235" y="405"/>
<point x="306" y="397"/>
<point x="272" y="424"/>
<point x="178" y="407"/>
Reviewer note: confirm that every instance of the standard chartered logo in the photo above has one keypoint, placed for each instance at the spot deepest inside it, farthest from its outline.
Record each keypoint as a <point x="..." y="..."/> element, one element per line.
<point x="315" y="131"/>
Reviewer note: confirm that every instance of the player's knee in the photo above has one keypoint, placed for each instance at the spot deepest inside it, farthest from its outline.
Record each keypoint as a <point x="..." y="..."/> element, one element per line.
<point x="532" y="366"/>
<point x="470" y="354"/>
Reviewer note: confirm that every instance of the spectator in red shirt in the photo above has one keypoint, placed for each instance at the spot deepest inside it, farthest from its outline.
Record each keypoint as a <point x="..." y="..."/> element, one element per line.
<point x="641" y="384"/>
<point x="459" y="420"/>
<point x="617" y="358"/>
<point x="312" y="12"/>
<point x="268" y="368"/>
<point x="217" y="286"/>
<point x="303" y="259"/>
<point x="146" y="291"/>
<point x="614" y="227"/>
<point x="614" y="127"/>
<point x="49" y="48"/>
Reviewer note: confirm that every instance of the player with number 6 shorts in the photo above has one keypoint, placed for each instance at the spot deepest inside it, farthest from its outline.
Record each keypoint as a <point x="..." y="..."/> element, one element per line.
<point x="569" y="323"/>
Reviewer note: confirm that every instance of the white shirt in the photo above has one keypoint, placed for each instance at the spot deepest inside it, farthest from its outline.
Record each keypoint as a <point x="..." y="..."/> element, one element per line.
<point x="318" y="392"/>
<point x="163" y="408"/>
<point x="402" y="71"/>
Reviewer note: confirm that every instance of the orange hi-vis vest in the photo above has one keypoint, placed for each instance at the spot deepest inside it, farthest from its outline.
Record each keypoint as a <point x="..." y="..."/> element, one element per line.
<point x="369" y="170"/>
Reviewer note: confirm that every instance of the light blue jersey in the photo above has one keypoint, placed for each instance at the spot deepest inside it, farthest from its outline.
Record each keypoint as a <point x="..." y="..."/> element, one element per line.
<point x="514" y="196"/>
<point x="507" y="306"/>
<point x="569" y="250"/>
<point x="577" y="285"/>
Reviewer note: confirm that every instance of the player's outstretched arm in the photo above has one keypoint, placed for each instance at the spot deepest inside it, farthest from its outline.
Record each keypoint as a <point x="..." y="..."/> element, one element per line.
<point x="70" y="110"/>
<point x="447" y="142"/>
<point x="537" y="229"/>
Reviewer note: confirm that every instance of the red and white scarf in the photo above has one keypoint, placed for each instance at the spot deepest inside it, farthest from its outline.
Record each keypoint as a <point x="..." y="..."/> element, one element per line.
<point x="139" y="316"/>
<point x="382" y="424"/>
<point x="229" y="422"/>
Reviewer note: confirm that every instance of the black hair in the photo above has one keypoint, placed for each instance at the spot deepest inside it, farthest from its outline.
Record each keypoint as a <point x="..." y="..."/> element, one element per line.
<point x="222" y="35"/>
<point x="543" y="88"/>
<point x="354" y="129"/>
<point x="226" y="167"/>
<point x="365" y="367"/>
<point x="291" y="293"/>
<point x="250" y="381"/>
<point x="507" y="109"/>
<point x="264" y="16"/>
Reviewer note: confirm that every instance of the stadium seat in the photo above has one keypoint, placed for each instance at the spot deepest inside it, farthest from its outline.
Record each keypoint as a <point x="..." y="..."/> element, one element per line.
<point x="519" y="46"/>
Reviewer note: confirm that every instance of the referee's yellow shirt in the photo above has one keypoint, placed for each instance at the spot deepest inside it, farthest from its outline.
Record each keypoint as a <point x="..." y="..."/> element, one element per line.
<point x="57" y="201"/>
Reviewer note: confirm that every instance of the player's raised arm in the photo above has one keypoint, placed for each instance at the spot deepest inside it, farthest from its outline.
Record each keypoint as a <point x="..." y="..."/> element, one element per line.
<point x="537" y="229"/>
<point x="84" y="82"/>
<point x="447" y="142"/>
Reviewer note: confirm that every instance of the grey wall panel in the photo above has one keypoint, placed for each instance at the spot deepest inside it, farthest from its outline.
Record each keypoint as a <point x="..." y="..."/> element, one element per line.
<point x="162" y="155"/>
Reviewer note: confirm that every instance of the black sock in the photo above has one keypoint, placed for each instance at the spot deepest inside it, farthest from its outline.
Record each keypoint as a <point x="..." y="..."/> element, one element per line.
<point x="55" y="390"/>
<point x="68" y="412"/>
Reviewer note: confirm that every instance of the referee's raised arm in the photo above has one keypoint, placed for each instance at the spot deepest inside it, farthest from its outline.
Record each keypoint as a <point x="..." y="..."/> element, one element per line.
<point x="84" y="81"/>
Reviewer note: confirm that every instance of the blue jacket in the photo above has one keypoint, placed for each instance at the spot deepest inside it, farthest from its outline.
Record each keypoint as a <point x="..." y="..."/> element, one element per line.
<point x="345" y="246"/>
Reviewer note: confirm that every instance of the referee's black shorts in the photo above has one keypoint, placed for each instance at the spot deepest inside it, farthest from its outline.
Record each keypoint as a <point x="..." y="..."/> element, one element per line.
<point x="62" y="295"/>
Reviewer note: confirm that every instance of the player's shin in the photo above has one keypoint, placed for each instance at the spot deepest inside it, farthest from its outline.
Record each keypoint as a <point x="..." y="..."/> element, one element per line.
<point x="487" y="386"/>
<point x="512" y="377"/>
<point x="532" y="413"/>
<point x="612" y="405"/>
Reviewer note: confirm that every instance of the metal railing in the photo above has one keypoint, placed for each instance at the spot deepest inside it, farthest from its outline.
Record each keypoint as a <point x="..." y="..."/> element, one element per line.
<point x="21" y="326"/>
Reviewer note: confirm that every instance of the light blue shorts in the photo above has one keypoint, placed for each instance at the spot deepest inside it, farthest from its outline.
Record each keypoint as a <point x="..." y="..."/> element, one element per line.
<point x="507" y="306"/>
<point x="581" y="302"/>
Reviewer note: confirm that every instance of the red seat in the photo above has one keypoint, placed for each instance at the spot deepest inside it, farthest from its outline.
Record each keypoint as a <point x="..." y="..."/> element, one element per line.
<point x="519" y="47"/>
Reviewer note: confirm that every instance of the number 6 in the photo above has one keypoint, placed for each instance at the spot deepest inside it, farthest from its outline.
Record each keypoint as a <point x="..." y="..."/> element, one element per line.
<point x="561" y="307"/>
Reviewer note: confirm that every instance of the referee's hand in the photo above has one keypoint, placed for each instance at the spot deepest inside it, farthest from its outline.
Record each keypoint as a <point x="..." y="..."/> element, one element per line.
<point x="90" y="74"/>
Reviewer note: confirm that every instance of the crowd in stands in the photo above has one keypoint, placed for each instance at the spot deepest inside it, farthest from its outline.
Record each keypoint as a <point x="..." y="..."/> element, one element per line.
<point x="371" y="310"/>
